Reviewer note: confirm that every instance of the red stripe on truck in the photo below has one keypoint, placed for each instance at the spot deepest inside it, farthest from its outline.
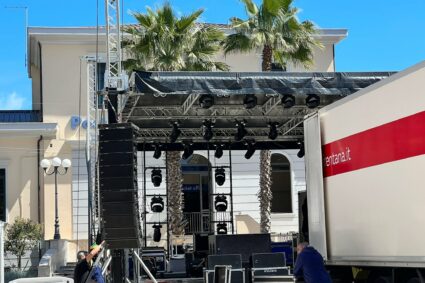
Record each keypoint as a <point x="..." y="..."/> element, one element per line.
<point x="390" y="142"/>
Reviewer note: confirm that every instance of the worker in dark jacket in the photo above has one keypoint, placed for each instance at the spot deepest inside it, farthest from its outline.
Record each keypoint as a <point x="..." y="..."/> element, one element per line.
<point x="310" y="266"/>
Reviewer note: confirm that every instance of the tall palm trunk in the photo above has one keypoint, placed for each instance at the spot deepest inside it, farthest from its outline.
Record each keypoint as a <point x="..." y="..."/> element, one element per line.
<point x="175" y="194"/>
<point x="265" y="195"/>
<point x="267" y="58"/>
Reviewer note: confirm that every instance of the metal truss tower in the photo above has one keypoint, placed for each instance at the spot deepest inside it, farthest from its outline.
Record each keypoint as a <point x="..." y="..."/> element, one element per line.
<point x="116" y="80"/>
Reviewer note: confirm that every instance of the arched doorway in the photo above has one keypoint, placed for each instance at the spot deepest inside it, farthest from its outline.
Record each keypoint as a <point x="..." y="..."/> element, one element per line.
<point x="196" y="187"/>
<point x="281" y="185"/>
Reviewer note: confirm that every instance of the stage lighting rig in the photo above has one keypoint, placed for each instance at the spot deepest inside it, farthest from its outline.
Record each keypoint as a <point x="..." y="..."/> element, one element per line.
<point x="175" y="132"/>
<point x="218" y="151"/>
<point x="207" y="131"/>
<point x="250" y="101"/>
<point x="273" y="134"/>
<point x="312" y="101"/>
<point x="240" y="130"/>
<point x="220" y="176"/>
<point x="206" y="101"/>
<point x="288" y="100"/>
<point x="222" y="228"/>
<point x="250" y="144"/>
<point x="156" y="177"/>
<point x="157" y="151"/>
<point x="187" y="151"/>
<point x="220" y="203"/>
<point x="157" y="204"/>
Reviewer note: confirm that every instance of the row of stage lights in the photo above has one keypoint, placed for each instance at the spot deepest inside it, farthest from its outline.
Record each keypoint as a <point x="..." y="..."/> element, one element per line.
<point x="250" y="101"/>
<point x="188" y="150"/>
<point x="208" y="133"/>
<point x="156" y="177"/>
<point x="206" y="101"/>
<point x="250" y="144"/>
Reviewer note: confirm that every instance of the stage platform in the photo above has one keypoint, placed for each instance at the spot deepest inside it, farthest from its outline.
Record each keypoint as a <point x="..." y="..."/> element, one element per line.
<point x="177" y="280"/>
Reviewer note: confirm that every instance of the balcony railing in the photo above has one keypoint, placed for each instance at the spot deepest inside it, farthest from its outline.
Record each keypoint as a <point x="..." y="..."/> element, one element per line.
<point x="20" y="116"/>
<point x="197" y="222"/>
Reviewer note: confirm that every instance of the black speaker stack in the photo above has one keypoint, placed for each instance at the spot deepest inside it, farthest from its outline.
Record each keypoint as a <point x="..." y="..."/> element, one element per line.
<point x="118" y="185"/>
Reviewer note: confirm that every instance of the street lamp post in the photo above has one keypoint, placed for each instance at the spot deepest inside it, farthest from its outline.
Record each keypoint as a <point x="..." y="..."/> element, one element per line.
<point x="56" y="166"/>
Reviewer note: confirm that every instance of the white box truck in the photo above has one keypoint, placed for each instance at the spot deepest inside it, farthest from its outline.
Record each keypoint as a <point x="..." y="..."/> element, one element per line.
<point x="365" y="171"/>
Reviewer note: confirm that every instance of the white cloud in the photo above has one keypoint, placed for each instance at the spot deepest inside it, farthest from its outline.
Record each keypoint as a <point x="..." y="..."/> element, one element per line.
<point x="11" y="101"/>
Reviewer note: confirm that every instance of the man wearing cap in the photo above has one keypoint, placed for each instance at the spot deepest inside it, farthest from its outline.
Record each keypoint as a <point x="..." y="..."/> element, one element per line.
<point x="85" y="265"/>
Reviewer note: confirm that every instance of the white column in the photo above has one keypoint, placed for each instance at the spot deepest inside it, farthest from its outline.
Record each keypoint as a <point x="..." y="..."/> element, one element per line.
<point x="1" y="252"/>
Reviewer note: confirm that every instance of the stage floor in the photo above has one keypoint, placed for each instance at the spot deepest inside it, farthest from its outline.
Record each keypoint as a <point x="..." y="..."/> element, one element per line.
<point x="177" y="280"/>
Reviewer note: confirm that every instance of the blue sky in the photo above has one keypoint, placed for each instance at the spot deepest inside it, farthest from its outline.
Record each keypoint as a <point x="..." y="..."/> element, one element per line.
<point x="384" y="35"/>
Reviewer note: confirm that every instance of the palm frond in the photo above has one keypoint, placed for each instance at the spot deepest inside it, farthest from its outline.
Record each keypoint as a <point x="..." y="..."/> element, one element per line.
<point x="250" y="7"/>
<point x="186" y="22"/>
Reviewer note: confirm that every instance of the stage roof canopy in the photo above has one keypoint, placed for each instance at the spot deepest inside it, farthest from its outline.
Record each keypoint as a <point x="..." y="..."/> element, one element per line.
<point x="161" y="98"/>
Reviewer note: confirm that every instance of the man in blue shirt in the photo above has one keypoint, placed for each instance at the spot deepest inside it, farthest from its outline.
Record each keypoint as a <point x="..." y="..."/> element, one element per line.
<point x="310" y="266"/>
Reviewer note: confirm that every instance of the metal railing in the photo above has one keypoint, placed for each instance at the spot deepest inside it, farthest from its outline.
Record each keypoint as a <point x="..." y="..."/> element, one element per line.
<point x="145" y="268"/>
<point x="197" y="222"/>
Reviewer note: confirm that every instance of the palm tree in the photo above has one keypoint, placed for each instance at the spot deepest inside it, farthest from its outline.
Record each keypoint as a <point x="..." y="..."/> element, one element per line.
<point x="162" y="41"/>
<point x="274" y="28"/>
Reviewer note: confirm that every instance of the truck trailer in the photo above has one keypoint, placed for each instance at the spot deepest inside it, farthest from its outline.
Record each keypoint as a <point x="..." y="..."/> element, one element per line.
<point x="365" y="174"/>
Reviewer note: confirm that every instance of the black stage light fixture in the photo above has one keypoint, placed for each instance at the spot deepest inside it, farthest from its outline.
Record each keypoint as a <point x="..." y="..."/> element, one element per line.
<point x="250" y="149"/>
<point x="206" y="101"/>
<point x="241" y="131"/>
<point x="157" y="151"/>
<point x="250" y="101"/>
<point x="157" y="204"/>
<point x="301" y="152"/>
<point x="222" y="228"/>
<point x="207" y="131"/>
<point x="187" y="151"/>
<point x="288" y="100"/>
<point x="312" y="101"/>
<point x="220" y="203"/>
<point x="157" y="232"/>
<point x="175" y="133"/>
<point x="156" y="177"/>
<point x="220" y="176"/>
<point x="218" y="151"/>
<point x="273" y="130"/>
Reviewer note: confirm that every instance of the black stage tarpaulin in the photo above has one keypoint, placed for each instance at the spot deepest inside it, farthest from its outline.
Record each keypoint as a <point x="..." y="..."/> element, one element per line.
<point x="231" y="83"/>
<point x="159" y="99"/>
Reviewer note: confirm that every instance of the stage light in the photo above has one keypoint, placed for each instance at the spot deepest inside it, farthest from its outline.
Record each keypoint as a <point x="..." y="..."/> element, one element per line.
<point x="250" y="149"/>
<point x="312" y="101"/>
<point x="157" y="152"/>
<point x="301" y="152"/>
<point x="157" y="232"/>
<point x="206" y="101"/>
<point x="218" y="151"/>
<point x="220" y="176"/>
<point x="207" y="131"/>
<point x="175" y="133"/>
<point x="250" y="101"/>
<point x="157" y="204"/>
<point x="241" y="131"/>
<point x="273" y="130"/>
<point x="156" y="177"/>
<point x="222" y="228"/>
<point x="188" y="151"/>
<point x="220" y="203"/>
<point x="288" y="100"/>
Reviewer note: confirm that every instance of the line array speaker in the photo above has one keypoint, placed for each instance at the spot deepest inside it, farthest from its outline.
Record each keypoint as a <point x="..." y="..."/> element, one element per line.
<point x="118" y="186"/>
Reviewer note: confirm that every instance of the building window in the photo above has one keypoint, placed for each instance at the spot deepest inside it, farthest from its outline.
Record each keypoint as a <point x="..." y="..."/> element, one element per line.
<point x="3" y="195"/>
<point x="281" y="186"/>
